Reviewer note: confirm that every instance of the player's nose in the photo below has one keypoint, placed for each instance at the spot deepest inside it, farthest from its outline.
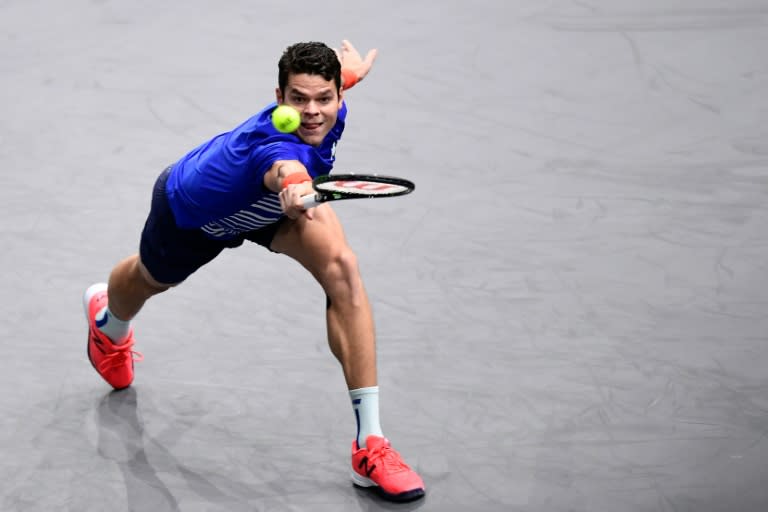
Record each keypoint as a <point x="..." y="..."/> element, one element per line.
<point x="312" y="108"/>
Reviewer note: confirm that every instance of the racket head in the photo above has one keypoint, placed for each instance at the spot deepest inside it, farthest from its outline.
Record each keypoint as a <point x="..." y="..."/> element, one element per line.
<point x="334" y="187"/>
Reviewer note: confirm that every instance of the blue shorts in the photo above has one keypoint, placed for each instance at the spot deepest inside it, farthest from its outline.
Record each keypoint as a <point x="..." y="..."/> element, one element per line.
<point x="171" y="254"/>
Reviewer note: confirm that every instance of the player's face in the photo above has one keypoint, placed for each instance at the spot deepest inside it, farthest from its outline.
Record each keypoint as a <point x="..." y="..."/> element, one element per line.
<point x="317" y="100"/>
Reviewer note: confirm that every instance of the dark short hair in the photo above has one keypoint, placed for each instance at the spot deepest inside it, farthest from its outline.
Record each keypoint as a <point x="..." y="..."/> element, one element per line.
<point x="312" y="58"/>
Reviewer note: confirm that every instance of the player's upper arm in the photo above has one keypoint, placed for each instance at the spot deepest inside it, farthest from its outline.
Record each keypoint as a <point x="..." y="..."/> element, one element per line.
<point x="273" y="178"/>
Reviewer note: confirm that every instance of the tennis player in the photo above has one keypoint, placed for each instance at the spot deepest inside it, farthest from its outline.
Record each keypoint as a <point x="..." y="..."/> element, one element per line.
<point x="247" y="184"/>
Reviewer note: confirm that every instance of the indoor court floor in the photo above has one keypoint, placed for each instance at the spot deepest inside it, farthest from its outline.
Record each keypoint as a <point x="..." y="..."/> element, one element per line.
<point x="571" y="308"/>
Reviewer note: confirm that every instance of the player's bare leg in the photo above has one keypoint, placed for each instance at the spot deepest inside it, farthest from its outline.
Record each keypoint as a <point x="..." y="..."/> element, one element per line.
<point x="320" y="246"/>
<point x="109" y="309"/>
<point x="130" y="285"/>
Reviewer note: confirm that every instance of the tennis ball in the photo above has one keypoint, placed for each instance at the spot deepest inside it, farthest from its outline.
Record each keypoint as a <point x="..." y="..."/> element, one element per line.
<point x="286" y="119"/>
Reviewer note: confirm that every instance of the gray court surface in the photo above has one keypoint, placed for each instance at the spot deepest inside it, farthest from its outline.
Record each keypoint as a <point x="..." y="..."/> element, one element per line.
<point x="571" y="309"/>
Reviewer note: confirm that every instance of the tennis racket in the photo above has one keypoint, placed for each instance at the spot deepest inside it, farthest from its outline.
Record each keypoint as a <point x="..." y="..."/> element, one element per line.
<point x="338" y="187"/>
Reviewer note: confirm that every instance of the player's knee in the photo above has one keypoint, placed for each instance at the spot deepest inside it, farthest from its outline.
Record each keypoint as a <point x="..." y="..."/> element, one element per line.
<point x="151" y="285"/>
<point x="343" y="266"/>
<point x="342" y="278"/>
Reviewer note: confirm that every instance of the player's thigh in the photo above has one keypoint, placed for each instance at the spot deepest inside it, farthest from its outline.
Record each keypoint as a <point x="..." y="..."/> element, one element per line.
<point x="313" y="242"/>
<point x="169" y="254"/>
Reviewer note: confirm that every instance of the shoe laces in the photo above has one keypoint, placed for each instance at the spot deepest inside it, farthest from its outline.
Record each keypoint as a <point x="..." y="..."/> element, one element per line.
<point x="388" y="458"/>
<point x="118" y="358"/>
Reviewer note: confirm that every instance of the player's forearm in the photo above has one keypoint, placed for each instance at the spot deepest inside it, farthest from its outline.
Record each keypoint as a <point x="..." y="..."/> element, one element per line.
<point x="275" y="178"/>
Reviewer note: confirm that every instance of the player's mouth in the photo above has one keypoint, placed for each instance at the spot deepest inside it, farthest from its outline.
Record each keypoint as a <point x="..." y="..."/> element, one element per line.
<point x="311" y="127"/>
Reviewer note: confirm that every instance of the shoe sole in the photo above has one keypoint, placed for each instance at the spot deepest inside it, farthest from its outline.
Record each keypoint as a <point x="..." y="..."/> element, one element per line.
<point x="368" y="484"/>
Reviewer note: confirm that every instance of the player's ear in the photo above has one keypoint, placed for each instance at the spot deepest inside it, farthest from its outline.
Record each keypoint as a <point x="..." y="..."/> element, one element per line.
<point x="341" y="98"/>
<point x="278" y="95"/>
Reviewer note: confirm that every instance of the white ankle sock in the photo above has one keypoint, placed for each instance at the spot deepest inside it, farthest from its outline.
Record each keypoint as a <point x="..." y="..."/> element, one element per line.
<point x="115" y="329"/>
<point x="365" y="402"/>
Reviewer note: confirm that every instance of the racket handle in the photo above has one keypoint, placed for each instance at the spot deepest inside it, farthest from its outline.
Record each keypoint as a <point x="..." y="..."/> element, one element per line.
<point x="310" y="201"/>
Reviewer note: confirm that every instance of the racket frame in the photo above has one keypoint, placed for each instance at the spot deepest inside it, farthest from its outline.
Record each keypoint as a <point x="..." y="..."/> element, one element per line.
<point x="323" y="196"/>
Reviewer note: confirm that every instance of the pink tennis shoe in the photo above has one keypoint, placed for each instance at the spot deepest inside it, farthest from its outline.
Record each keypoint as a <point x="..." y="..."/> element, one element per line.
<point x="379" y="465"/>
<point x="113" y="362"/>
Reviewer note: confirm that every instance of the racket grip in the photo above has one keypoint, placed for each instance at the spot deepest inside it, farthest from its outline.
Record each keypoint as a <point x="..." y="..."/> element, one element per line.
<point x="310" y="201"/>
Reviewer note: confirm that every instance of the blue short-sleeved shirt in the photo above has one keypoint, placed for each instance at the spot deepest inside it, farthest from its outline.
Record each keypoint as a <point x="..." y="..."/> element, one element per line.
<point x="219" y="186"/>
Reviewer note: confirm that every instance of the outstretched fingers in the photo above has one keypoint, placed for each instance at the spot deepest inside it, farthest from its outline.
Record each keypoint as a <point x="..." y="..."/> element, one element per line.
<point x="350" y="59"/>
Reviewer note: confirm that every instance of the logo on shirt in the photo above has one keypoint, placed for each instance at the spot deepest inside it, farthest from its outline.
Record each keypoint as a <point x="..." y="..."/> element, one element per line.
<point x="333" y="150"/>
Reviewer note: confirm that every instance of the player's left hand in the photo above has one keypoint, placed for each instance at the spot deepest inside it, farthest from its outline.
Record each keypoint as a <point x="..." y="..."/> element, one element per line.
<point x="350" y="59"/>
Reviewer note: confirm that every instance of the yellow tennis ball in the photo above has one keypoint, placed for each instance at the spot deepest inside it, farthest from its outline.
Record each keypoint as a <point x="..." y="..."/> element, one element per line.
<point x="286" y="119"/>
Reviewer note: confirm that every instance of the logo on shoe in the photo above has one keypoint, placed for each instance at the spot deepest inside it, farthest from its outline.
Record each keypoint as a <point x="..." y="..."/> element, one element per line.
<point x="101" y="322"/>
<point x="97" y="342"/>
<point x="367" y="470"/>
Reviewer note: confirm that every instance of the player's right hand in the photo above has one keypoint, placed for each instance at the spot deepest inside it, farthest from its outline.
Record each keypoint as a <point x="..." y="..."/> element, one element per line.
<point x="290" y="200"/>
